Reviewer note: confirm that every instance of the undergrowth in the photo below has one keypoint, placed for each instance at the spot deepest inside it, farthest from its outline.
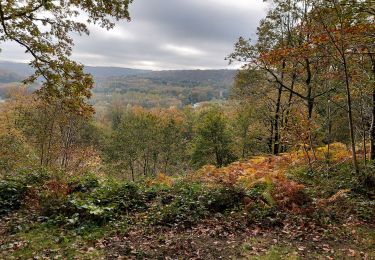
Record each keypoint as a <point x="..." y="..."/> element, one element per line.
<point x="63" y="213"/>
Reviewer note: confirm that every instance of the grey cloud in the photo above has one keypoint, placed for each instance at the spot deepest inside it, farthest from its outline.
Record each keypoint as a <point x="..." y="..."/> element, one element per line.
<point x="172" y="34"/>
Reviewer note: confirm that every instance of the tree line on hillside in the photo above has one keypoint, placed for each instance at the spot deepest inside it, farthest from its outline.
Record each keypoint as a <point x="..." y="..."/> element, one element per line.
<point x="165" y="88"/>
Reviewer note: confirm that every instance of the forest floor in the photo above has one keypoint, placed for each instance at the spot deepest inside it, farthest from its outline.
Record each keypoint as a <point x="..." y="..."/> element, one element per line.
<point x="215" y="238"/>
<point x="337" y="224"/>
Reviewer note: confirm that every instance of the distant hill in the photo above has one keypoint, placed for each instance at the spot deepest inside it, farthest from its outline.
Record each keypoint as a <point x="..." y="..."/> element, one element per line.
<point x="144" y="87"/>
<point x="213" y="77"/>
<point x="166" y="88"/>
<point x="24" y="69"/>
<point x="104" y="72"/>
<point x="7" y="76"/>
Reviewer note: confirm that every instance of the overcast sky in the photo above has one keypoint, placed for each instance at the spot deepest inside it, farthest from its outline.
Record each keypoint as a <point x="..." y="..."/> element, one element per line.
<point x="166" y="34"/>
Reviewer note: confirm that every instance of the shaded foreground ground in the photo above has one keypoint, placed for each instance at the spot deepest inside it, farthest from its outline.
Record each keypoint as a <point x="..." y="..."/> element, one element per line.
<point x="215" y="238"/>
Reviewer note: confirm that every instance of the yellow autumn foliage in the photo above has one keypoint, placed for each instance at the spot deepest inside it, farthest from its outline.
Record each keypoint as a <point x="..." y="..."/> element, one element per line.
<point x="265" y="169"/>
<point x="161" y="179"/>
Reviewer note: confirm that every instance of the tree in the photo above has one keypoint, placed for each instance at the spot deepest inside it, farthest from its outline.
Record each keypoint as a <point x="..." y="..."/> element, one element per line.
<point x="213" y="140"/>
<point x="44" y="27"/>
<point x="172" y="139"/>
<point x="15" y="151"/>
<point x="347" y="29"/>
<point x="148" y="141"/>
<point x="314" y="51"/>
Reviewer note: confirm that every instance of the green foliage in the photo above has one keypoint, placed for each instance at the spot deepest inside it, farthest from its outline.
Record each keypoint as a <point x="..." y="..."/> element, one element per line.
<point x="364" y="209"/>
<point x="329" y="180"/>
<point x="223" y="199"/>
<point x="213" y="141"/>
<point x="147" y="142"/>
<point x="85" y="184"/>
<point x="180" y="205"/>
<point x="11" y="195"/>
<point x="45" y="240"/>
<point x="14" y="153"/>
<point x="88" y="204"/>
<point x="186" y="203"/>
<point x="165" y="88"/>
<point x="14" y="188"/>
<point x="121" y="197"/>
<point x="44" y="29"/>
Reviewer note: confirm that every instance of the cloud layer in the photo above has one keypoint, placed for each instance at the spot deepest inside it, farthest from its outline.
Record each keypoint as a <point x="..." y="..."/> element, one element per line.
<point x="167" y="34"/>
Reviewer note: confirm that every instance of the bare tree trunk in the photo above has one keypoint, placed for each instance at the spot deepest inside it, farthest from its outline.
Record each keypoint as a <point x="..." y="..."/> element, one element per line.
<point x="350" y="116"/>
<point x="244" y="136"/>
<point x="276" y="146"/>
<point x="270" y="142"/>
<point x="363" y="121"/>
<point x="132" y="170"/>
<point x="372" y="129"/>
<point x="329" y="133"/>
<point x="342" y="52"/>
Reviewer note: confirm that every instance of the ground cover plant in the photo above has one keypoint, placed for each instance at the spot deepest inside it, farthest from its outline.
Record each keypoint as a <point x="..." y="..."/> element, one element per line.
<point x="261" y="208"/>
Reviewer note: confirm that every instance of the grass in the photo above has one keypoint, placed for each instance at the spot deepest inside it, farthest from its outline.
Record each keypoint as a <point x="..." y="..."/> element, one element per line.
<point x="49" y="241"/>
<point x="278" y="252"/>
<point x="41" y="240"/>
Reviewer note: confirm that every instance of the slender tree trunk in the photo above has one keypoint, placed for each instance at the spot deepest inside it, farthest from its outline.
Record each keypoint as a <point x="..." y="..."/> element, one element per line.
<point x="288" y="108"/>
<point x="155" y="161"/>
<point x="270" y="142"/>
<point x="166" y="163"/>
<point x="244" y="143"/>
<point x="310" y="99"/>
<point x="329" y="132"/>
<point x="363" y="121"/>
<point x="276" y="146"/>
<point x="219" y="159"/>
<point x="132" y="171"/>
<point x="350" y="115"/>
<point x="145" y="166"/>
<point x="372" y="129"/>
<point x="50" y="136"/>
<point x="310" y="104"/>
<point x="290" y="99"/>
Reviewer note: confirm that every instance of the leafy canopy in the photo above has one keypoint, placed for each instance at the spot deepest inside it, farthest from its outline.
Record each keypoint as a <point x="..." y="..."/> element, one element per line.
<point x="44" y="29"/>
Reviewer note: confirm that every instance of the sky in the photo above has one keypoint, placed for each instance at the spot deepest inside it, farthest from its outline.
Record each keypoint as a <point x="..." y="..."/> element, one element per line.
<point x="166" y="34"/>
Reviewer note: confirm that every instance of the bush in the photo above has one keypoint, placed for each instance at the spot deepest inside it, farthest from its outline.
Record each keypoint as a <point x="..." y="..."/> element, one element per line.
<point x="53" y="199"/>
<point x="187" y="203"/>
<point x="290" y="195"/>
<point x="11" y="195"/>
<point x="122" y="197"/>
<point x="107" y="202"/>
<point x="223" y="199"/>
<point x="182" y="205"/>
<point x="85" y="184"/>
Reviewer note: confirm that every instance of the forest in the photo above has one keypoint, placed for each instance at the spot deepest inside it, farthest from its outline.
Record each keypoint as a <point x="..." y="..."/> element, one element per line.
<point x="273" y="161"/>
<point x="144" y="88"/>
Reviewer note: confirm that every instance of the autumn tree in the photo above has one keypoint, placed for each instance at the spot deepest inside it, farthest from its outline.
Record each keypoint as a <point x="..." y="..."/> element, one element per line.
<point x="44" y="28"/>
<point x="213" y="139"/>
<point x="255" y="105"/>
<point x="345" y="29"/>
<point x="174" y="138"/>
<point x="148" y="141"/>
<point x="15" y="152"/>
<point x="286" y="53"/>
